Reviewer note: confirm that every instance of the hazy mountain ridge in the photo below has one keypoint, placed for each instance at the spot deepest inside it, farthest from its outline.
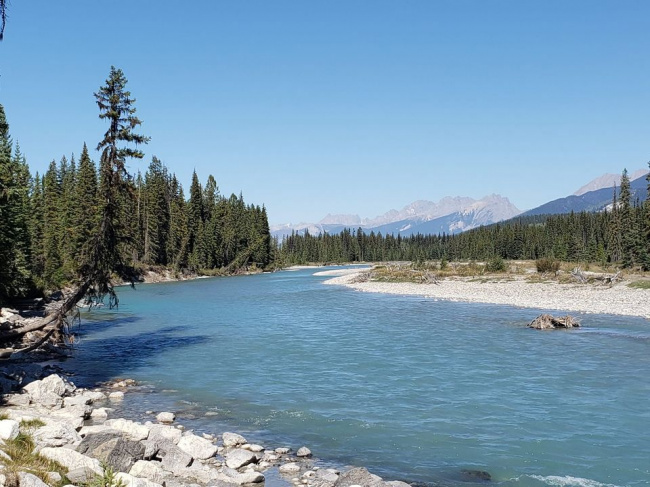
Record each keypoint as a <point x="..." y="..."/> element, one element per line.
<point x="608" y="181"/>
<point x="449" y="215"/>
<point x="458" y="214"/>
<point x="597" y="200"/>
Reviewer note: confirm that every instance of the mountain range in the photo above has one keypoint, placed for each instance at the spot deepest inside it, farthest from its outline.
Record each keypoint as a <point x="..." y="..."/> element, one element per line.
<point x="457" y="214"/>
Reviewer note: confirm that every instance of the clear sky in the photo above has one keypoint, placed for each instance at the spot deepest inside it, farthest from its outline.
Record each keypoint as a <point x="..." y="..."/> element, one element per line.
<point x="316" y="107"/>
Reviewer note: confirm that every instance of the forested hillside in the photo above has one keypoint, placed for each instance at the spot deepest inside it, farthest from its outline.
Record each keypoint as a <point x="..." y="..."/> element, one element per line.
<point x="620" y="236"/>
<point x="48" y="221"/>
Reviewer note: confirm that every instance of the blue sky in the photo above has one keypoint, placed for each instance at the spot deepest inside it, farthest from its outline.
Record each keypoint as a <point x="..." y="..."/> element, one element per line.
<point x="344" y="106"/>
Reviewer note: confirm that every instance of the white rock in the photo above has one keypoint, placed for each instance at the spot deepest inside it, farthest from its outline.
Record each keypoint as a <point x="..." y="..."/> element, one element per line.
<point x="133" y="430"/>
<point x="95" y="396"/>
<point x="71" y="459"/>
<point x="30" y="480"/>
<point x="303" y="452"/>
<point x="289" y="468"/>
<point x="197" y="447"/>
<point x="282" y="451"/>
<point x="95" y="428"/>
<point x="57" y="434"/>
<point x="131" y="481"/>
<point x="233" y="439"/>
<point x="55" y="384"/>
<point x="148" y="470"/>
<point x="76" y="401"/>
<point x="116" y="396"/>
<point x="41" y="393"/>
<point x="3" y="455"/>
<point x="9" y="429"/>
<point x="99" y="413"/>
<point x="230" y="475"/>
<point x="239" y="458"/>
<point x="166" y="418"/>
<point x="253" y="447"/>
<point x="165" y="431"/>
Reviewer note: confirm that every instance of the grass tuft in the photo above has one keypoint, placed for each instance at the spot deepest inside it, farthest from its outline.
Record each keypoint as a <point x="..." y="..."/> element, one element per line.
<point x="644" y="284"/>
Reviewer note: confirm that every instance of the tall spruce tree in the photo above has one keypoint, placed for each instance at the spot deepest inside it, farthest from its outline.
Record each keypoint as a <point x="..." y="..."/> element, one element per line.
<point x="105" y="255"/>
<point x="628" y="223"/>
<point x="85" y="201"/>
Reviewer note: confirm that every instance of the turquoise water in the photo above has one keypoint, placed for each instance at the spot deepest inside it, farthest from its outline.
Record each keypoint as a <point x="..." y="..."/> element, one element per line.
<point x="412" y="388"/>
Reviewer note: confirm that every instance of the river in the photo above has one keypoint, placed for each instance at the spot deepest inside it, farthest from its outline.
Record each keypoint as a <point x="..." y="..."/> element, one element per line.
<point x="414" y="389"/>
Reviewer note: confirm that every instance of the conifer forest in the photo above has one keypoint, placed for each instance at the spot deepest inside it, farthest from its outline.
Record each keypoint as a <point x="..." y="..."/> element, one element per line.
<point x="83" y="222"/>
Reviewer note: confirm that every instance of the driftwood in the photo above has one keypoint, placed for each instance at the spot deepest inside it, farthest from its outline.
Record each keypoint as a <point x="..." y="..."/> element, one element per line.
<point x="549" y="322"/>
<point x="52" y="324"/>
<point x="578" y="275"/>
<point x="429" y="278"/>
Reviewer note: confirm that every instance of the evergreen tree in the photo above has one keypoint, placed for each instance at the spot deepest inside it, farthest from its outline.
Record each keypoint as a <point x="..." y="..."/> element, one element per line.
<point x="36" y="228"/>
<point x="52" y="268"/>
<point x="105" y="254"/>
<point x="628" y="223"/>
<point x="85" y="204"/>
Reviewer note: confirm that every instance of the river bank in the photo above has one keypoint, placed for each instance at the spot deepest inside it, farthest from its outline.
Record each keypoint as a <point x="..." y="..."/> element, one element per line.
<point x="515" y="290"/>
<point x="76" y="427"/>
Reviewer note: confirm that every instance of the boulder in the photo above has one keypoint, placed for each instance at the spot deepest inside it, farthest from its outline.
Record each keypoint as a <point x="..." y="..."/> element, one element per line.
<point x="173" y="458"/>
<point x="9" y="429"/>
<point x="239" y="458"/>
<point x="166" y="432"/>
<point x="116" y="396"/>
<point x="131" y="481"/>
<point x="303" y="452"/>
<point x="253" y="447"/>
<point x="327" y="475"/>
<point x="95" y="396"/>
<point x="233" y="476"/>
<point x="56" y="434"/>
<point x="71" y="459"/>
<point x="48" y="393"/>
<point x="95" y="440"/>
<point x="81" y="476"/>
<point x="289" y="468"/>
<point x="81" y="400"/>
<point x="20" y="400"/>
<point x="97" y="428"/>
<point x="197" y="447"/>
<point x="30" y="480"/>
<point x="133" y="430"/>
<point x="282" y="451"/>
<point x="233" y="439"/>
<point x="166" y="418"/>
<point x="148" y="470"/>
<point x="99" y="413"/>
<point x="55" y="384"/>
<point x="359" y="476"/>
<point x="118" y="452"/>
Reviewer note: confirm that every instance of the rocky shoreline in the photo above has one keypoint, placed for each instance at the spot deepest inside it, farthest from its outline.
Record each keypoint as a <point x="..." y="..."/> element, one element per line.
<point x="74" y="427"/>
<point x="618" y="299"/>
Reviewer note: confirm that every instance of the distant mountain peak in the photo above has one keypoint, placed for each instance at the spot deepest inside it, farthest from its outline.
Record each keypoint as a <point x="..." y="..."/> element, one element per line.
<point x="330" y="219"/>
<point x="608" y="181"/>
<point x="451" y="214"/>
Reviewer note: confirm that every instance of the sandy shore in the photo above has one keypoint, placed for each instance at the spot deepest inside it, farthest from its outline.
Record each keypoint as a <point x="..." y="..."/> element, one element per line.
<point x="583" y="298"/>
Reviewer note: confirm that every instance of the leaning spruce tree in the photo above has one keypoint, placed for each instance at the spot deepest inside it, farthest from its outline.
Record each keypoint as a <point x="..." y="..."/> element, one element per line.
<point x="103" y="255"/>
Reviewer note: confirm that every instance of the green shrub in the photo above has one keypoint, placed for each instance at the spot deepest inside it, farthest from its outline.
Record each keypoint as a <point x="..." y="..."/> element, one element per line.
<point x="547" y="265"/>
<point x="496" y="264"/>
